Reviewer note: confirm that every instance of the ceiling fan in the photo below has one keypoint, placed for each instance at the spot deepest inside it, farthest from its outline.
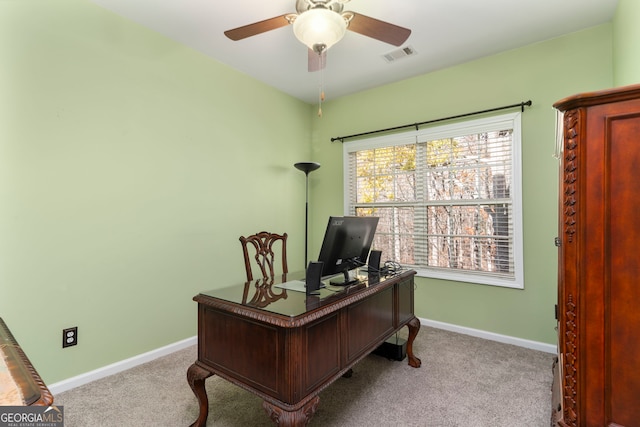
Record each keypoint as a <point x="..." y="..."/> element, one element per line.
<point x="320" y="24"/>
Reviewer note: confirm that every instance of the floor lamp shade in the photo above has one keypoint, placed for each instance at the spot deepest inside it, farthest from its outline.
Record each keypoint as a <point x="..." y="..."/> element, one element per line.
<point x="306" y="167"/>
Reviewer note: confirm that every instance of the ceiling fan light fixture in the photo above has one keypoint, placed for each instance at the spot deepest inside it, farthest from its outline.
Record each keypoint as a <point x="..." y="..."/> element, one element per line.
<point x="319" y="27"/>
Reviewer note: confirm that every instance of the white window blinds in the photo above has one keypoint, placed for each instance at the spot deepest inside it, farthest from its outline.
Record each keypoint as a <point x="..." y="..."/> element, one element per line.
<point x="448" y="198"/>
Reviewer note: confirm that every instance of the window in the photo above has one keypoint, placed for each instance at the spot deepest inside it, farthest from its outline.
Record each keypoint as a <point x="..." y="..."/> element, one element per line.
<point x="448" y="198"/>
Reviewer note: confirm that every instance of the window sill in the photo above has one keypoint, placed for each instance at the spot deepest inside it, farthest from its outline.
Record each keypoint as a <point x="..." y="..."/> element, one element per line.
<point x="475" y="279"/>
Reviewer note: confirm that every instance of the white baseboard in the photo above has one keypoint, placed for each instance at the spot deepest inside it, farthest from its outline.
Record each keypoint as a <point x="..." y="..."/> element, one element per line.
<point x="123" y="365"/>
<point x="534" y="345"/>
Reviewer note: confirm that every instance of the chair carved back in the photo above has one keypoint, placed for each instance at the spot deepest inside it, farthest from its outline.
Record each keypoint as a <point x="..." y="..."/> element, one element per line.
<point x="262" y="246"/>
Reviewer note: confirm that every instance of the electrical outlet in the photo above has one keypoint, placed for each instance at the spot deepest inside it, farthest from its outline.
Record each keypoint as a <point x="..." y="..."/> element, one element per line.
<point x="69" y="337"/>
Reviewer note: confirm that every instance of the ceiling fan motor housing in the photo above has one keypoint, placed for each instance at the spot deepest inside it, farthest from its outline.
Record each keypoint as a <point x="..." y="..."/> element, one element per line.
<point x="334" y="5"/>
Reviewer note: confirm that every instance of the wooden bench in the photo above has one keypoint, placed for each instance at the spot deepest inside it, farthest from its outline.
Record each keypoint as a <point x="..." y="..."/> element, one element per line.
<point x="20" y="384"/>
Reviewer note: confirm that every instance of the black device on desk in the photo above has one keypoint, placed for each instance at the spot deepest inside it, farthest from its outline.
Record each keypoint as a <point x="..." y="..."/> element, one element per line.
<point x="346" y="245"/>
<point x="313" y="278"/>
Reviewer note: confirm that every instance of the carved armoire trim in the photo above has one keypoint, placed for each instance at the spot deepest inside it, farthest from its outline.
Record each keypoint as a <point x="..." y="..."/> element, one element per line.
<point x="572" y="121"/>
<point x="571" y="139"/>
<point x="570" y="392"/>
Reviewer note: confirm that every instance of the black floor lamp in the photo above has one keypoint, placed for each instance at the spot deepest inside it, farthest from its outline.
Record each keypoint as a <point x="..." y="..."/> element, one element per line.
<point x="306" y="167"/>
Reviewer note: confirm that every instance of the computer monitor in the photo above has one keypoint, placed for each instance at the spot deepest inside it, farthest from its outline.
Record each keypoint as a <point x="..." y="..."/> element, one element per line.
<point x="346" y="245"/>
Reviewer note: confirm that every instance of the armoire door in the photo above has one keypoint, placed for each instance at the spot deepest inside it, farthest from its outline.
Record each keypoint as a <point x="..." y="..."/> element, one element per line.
<point x="599" y="290"/>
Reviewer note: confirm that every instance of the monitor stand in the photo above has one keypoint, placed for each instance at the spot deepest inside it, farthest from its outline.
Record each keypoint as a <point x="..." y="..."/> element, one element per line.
<point x="343" y="281"/>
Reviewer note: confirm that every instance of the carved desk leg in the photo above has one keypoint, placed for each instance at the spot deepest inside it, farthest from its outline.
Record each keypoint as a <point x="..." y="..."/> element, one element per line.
<point x="414" y="327"/>
<point x="196" y="376"/>
<point x="298" y="418"/>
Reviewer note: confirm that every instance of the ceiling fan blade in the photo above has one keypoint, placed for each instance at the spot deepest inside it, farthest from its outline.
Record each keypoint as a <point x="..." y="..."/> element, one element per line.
<point x="316" y="61"/>
<point x="378" y="30"/>
<point x="257" y="28"/>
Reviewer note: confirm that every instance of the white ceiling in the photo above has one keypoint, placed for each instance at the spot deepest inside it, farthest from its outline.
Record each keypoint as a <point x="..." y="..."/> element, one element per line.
<point x="444" y="33"/>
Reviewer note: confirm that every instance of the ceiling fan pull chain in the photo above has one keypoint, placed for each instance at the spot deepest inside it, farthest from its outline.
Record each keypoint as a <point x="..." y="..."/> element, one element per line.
<point x="321" y="85"/>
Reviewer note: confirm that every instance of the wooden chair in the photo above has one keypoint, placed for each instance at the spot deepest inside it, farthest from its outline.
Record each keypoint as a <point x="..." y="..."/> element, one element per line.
<point x="263" y="245"/>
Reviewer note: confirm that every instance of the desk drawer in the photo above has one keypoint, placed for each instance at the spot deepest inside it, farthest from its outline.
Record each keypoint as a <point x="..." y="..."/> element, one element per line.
<point x="368" y="323"/>
<point x="249" y="352"/>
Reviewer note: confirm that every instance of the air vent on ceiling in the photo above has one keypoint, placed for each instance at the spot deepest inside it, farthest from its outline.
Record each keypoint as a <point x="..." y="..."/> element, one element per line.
<point x="399" y="54"/>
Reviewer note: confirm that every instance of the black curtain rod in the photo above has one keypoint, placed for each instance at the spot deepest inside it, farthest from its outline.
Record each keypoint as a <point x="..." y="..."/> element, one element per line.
<point x="416" y="125"/>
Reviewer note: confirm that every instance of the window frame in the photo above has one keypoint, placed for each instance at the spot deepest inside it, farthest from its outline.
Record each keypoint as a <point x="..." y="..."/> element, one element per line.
<point x="457" y="129"/>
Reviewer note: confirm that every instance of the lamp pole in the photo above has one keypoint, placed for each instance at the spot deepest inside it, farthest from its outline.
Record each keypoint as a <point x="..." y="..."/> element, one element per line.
<point x="306" y="167"/>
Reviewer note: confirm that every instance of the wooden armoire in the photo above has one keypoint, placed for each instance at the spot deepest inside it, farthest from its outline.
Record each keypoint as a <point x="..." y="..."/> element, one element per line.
<point x="597" y="377"/>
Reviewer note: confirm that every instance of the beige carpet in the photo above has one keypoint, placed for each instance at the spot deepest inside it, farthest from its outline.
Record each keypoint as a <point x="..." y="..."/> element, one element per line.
<point x="463" y="382"/>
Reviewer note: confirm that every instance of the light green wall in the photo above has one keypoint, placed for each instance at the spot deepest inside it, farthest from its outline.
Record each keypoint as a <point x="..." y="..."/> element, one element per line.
<point x="544" y="73"/>
<point x="129" y="167"/>
<point x="626" y="42"/>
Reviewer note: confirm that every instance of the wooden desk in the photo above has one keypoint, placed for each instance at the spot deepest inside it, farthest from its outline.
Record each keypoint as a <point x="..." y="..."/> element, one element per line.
<point x="20" y="384"/>
<point x="286" y="347"/>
